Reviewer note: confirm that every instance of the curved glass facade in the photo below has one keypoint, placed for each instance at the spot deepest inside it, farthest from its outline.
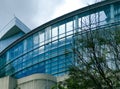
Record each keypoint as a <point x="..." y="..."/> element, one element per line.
<point x="50" y="50"/>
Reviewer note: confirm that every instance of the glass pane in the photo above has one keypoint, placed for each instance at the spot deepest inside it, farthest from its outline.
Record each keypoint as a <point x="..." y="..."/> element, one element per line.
<point x="117" y="11"/>
<point x="29" y="43"/>
<point x="61" y="30"/>
<point x="80" y="24"/>
<point x="54" y="33"/>
<point x="103" y="18"/>
<point x="41" y="49"/>
<point x="42" y="38"/>
<point x="69" y="27"/>
<point x="35" y="40"/>
<point x="94" y="19"/>
<point x="47" y="34"/>
<point x="85" y="22"/>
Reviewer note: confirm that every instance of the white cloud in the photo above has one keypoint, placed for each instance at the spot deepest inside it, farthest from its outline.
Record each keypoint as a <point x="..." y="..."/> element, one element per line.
<point x="71" y="5"/>
<point x="33" y="13"/>
<point x="30" y="12"/>
<point x="68" y="6"/>
<point x="45" y="11"/>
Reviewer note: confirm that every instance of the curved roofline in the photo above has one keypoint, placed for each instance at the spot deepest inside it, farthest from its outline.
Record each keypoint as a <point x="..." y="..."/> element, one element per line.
<point x="73" y="13"/>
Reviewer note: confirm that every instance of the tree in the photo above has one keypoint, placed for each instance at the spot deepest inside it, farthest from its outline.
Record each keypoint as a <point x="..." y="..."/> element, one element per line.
<point x="97" y="60"/>
<point x="97" y="56"/>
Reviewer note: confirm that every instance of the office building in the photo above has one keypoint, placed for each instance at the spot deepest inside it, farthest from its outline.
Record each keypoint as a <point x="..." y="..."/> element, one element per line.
<point x="47" y="49"/>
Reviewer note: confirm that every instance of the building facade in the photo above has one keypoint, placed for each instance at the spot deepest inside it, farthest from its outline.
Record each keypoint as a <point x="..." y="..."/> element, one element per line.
<point x="48" y="48"/>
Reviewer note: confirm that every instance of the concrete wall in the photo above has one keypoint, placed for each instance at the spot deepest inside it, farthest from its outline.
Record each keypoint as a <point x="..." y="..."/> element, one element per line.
<point x="37" y="81"/>
<point x="7" y="83"/>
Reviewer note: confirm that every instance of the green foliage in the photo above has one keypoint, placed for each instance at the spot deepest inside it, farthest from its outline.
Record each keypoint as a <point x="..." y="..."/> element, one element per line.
<point x="97" y="54"/>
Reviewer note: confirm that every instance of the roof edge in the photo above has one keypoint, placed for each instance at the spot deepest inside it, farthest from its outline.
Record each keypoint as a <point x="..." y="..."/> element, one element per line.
<point x="14" y="22"/>
<point x="81" y="10"/>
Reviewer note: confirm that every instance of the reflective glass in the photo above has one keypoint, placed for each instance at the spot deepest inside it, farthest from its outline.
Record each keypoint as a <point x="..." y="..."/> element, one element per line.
<point x="62" y="31"/>
<point x="69" y="27"/>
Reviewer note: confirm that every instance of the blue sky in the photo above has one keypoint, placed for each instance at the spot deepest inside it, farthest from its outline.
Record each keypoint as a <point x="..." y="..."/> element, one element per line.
<point x="33" y="13"/>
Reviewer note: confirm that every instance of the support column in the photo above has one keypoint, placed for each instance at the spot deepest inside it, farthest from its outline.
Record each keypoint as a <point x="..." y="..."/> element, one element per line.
<point x="76" y="23"/>
<point x="112" y="13"/>
<point x="7" y="83"/>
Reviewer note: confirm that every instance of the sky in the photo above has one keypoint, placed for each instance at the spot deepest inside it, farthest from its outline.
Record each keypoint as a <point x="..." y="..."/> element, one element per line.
<point x="34" y="13"/>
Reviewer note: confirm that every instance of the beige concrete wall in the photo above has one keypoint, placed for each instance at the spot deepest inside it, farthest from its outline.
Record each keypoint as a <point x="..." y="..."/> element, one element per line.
<point x="37" y="81"/>
<point x="12" y="83"/>
<point x="7" y="83"/>
<point x="4" y="83"/>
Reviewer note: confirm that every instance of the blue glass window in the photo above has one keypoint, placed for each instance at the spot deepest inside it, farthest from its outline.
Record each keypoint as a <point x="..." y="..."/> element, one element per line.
<point x="69" y="28"/>
<point x="55" y="33"/>
<point x="29" y="43"/>
<point x="62" y="31"/>
<point x="35" y="40"/>
<point x="42" y="37"/>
